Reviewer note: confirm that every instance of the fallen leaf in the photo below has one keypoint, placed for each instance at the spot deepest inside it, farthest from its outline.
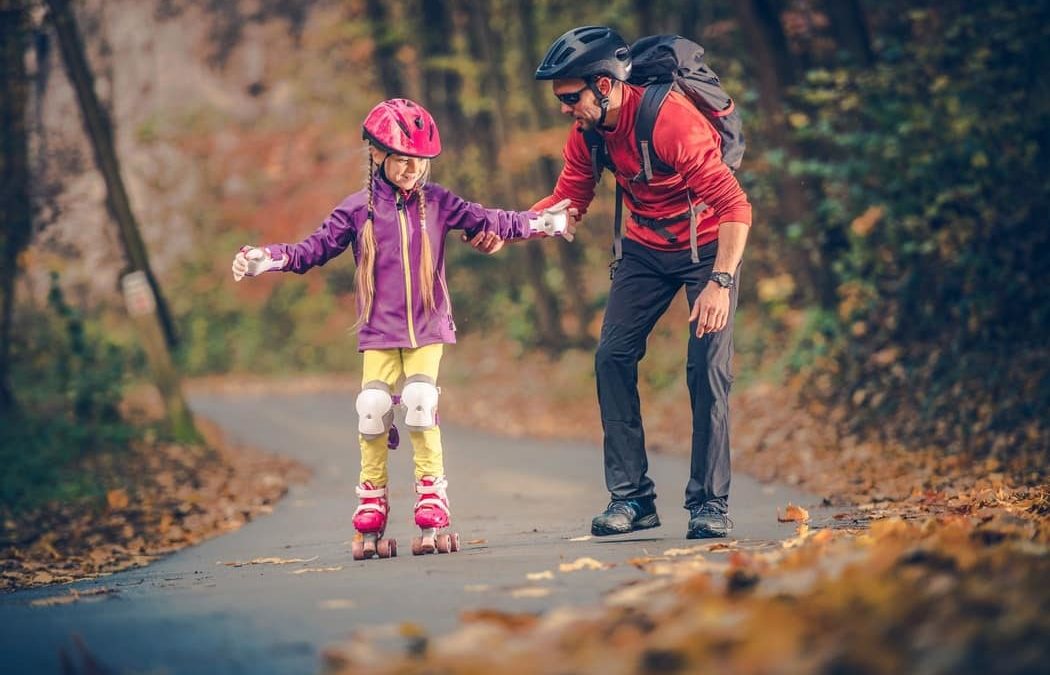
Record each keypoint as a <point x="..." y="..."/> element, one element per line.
<point x="504" y="619"/>
<point x="55" y="600"/>
<point x="117" y="499"/>
<point x="539" y="576"/>
<point x="530" y="592"/>
<point x="583" y="564"/>
<point x="307" y="570"/>
<point x="267" y="561"/>
<point x="585" y="537"/>
<point x="793" y="513"/>
<point x="673" y="552"/>
<point x="476" y="588"/>
<point x="73" y="596"/>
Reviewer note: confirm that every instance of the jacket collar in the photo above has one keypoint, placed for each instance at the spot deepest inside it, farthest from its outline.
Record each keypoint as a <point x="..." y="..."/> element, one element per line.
<point x="385" y="191"/>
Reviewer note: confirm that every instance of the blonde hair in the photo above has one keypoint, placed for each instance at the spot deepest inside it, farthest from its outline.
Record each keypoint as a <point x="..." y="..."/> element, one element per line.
<point x="365" y="275"/>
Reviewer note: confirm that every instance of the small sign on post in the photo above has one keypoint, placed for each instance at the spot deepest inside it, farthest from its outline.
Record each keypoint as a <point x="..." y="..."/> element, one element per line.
<point x="142" y="307"/>
<point x="138" y="296"/>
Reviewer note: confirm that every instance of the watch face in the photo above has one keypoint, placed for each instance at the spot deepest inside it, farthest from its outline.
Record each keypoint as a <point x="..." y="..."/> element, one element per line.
<point x="723" y="279"/>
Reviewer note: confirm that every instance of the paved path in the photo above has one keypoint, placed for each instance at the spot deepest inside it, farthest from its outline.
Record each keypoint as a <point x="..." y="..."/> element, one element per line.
<point x="521" y="502"/>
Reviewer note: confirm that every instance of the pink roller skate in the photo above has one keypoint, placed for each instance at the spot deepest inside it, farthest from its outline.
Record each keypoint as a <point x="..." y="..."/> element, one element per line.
<point x="370" y="523"/>
<point x="432" y="515"/>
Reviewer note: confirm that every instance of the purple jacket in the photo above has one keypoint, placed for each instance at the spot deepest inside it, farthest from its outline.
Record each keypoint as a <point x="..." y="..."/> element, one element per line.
<point x="398" y="317"/>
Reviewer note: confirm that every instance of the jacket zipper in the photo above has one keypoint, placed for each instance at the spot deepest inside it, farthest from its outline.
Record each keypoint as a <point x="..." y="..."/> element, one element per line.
<point x="402" y="217"/>
<point x="448" y="299"/>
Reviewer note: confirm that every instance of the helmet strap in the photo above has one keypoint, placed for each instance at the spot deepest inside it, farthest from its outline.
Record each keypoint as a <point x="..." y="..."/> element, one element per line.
<point x="603" y="100"/>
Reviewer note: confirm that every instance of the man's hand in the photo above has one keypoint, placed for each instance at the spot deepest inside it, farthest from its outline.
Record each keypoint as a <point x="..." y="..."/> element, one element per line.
<point x="711" y="309"/>
<point x="251" y="262"/>
<point x="557" y="220"/>
<point x="486" y="242"/>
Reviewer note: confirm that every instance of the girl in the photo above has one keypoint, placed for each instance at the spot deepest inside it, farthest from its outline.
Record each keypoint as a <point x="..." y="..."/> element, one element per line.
<point x="396" y="228"/>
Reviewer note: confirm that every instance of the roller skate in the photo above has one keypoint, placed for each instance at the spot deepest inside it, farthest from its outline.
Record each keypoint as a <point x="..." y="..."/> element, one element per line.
<point x="370" y="523"/>
<point x="432" y="516"/>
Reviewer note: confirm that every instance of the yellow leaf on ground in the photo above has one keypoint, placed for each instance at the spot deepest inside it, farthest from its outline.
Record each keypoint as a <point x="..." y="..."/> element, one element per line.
<point x="539" y="576"/>
<point x="793" y="514"/>
<point x="530" y="592"/>
<point x="306" y="570"/>
<point x="267" y="561"/>
<point x="583" y="564"/>
<point x="55" y="600"/>
<point x="674" y="552"/>
<point x="117" y="499"/>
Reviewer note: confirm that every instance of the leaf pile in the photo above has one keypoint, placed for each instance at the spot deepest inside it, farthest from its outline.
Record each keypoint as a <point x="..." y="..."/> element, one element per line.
<point x="166" y="497"/>
<point x="956" y="594"/>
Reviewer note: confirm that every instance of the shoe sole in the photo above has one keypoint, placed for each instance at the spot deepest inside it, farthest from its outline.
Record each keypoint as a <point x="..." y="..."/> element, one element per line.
<point x="648" y="522"/>
<point x="706" y="534"/>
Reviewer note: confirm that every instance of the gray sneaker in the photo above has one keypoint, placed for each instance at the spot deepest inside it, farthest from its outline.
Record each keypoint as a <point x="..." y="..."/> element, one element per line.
<point x="625" y="515"/>
<point x="708" y="521"/>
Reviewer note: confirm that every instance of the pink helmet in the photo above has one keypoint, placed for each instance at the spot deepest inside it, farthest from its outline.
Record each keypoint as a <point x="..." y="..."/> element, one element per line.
<point x="402" y="127"/>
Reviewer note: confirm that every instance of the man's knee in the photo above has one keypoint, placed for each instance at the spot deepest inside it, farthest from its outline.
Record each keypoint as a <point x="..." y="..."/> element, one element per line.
<point x="613" y="353"/>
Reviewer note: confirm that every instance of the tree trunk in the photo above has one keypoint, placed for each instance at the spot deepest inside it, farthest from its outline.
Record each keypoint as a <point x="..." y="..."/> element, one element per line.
<point x="850" y="30"/>
<point x="387" y="44"/>
<point x="777" y="70"/>
<point x="15" y="207"/>
<point x="542" y="108"/>
<point x="141" y="291"/>
<point x="442" y="83"/>
<point x="100" y="132"/>
<point x="492" y="136"/>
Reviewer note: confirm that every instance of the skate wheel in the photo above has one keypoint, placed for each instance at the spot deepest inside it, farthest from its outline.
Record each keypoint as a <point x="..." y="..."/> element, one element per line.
<point x="417" y="546"/>
<point x="443" y="543"/>
<point x="386" y="548"/>
<point x="357" y="549"/>
<point x="454" y="542"/>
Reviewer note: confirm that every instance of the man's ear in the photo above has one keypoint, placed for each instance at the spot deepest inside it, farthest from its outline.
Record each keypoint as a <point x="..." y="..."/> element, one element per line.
<point x="604" y="85"/>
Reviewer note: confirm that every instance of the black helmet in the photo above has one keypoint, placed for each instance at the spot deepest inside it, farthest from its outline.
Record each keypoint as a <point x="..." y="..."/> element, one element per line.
<point x="585" y="52"/>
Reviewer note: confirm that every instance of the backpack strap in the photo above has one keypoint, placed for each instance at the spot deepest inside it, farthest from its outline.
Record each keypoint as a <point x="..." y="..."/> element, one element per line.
<point x="652" y="100"/>
<point x="617" y="231"/>
<point x="693" y="224"/>
<point x="596" y="146"/>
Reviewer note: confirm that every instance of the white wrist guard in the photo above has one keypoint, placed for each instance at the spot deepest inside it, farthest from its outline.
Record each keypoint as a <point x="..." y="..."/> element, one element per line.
<point x="549" y="223"/>
<point x="251" y="262"/>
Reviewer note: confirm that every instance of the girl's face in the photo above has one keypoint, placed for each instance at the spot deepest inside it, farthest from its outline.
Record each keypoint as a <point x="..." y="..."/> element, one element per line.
<point x="404" y="172"/>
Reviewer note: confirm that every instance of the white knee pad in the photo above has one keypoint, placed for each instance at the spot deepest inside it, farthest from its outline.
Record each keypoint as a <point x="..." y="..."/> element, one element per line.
<point x="420" y="398"/>
<point x="375" y="409"/>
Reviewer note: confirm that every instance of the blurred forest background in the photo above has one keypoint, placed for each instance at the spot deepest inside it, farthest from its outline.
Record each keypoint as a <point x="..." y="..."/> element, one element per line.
<point x="897" y="163"/>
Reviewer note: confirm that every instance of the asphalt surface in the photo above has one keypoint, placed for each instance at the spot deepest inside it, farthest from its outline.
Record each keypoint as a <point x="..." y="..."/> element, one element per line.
<point x="518" y="505"/>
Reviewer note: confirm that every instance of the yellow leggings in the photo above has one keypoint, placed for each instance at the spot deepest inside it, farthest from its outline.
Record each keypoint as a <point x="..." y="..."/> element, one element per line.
<point x="390" y="366"/>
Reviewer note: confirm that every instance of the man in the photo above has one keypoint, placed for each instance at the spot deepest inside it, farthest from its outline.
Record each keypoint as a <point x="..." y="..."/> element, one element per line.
<point x="588" y="68"/>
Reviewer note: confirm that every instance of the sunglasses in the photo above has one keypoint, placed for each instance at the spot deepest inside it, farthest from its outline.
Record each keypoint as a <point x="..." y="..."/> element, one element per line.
<point x="571" y="97"/>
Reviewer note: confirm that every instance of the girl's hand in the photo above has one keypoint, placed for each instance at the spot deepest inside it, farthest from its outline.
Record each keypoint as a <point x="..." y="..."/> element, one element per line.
<point x="486" y="242"/>
<point x="251" y="262"/>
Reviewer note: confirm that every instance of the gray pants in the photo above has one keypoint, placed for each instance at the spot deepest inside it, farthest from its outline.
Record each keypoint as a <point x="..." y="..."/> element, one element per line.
<point x="643" y="286"/>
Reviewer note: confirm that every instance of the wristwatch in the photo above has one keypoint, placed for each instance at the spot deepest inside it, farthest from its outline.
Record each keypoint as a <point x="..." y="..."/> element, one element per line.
<point x="723" y="279"/>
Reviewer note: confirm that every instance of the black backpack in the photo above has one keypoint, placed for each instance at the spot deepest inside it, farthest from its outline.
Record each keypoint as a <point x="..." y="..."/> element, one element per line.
<point x="662" y="63"/>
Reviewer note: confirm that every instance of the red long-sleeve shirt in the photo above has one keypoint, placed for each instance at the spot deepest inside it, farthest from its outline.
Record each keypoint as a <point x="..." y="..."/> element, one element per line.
<point x="683" y="139"/>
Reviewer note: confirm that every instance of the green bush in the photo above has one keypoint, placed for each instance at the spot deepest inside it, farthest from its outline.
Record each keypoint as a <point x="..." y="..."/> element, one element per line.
<point x="68" y="381"/>
<point x="933" y="174"/>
